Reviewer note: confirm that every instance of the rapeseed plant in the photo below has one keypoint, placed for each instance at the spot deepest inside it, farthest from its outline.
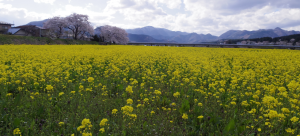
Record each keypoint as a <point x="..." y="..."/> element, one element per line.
<point x="183" y="91"/>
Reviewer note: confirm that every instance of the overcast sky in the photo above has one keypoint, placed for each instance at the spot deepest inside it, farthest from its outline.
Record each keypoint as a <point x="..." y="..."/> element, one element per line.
<point x="200" y="16"/>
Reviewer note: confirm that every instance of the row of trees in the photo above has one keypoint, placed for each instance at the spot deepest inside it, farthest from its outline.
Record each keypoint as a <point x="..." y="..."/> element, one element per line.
<point x="80" y="28"/>
<point x="287" y="38"/>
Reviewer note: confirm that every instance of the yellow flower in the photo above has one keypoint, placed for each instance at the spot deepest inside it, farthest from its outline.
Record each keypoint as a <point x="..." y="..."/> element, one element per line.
<point x="72" y="92"/>
<point x="102" y="130"/>
<point x="9" y="94"/>
<point x="17" y="131"/>
<point x="294" y="119"/>
<point x="185" y="116"/>
<point x="252" y="111"/>
<point x="195" y="100"/>
<point x="61" y="93"/>
<point x="157" y="92"/>
<point x="127" y="109"/>
<point x="199" y="104"/>
<point x="152" y="112"/>
<point x="133" y="116"/>
<point x="171" y="121"/>
<point x="244" y="103"/>
<point x="272" y="114"/>
<point x="129" y="101"/>
<point x="200" y="117"/>
<point x="49" y="87"/>
<point x="176" y="94"/>
<point x="114" y="111"/>
<point x="129" y="89"/>
<point x="61" y="123"/>
<point x="259" y="129"/>
<point x="232" y="103"/>
<point x="86" y="134"/>
<point x="81" y="87"/>
<point x="282" y="89"/>
<point x="289" y="130"/>
<point x="103" y="122"/>
<point x="90" y="79"/>
<point x="173" y="104"/>
<point x="85" y="123"/>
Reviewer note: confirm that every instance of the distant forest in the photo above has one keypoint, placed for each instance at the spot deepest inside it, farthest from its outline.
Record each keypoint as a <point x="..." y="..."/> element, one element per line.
<point x="270" y="39"/>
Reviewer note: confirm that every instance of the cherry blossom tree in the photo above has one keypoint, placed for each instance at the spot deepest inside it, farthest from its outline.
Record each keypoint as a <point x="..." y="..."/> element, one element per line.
<point x="79" y="25"/>
<point x="56" y="26"/>
<point x="114" y="34"/>
<point x="85" y="32"/>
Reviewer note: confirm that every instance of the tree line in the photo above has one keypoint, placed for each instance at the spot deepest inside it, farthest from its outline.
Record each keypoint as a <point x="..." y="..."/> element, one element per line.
<point x="78" y="27"/>
<point x="269" y="39"/>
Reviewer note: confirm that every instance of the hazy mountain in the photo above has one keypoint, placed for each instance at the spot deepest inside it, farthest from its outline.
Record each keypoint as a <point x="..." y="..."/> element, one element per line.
<point x="155" y="32"/>
<point x="194" y="38"/>
<point x="168" y="35"/>
<point x="37" y="23"/>
<point x="244" y="34"/>
<point x="143" y="38"/>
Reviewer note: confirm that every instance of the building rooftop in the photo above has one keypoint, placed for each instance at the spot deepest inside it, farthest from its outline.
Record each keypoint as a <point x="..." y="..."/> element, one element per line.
<point x="13" y="30"/>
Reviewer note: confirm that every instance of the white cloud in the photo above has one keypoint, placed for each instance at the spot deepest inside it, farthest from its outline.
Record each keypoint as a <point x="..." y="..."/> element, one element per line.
<point x="20" y="14"/>
<point x="200" y="16"/>
<point x="45" y="1"/>
<point x="172" y="4"/>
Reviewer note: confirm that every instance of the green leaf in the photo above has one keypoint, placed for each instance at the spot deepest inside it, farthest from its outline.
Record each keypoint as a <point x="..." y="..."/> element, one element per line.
<point x="17" y="100"/>
<point x="121" y="87"/>
<point x="230" y="126"/>
<point x="17" y="122"/>
<point x="185" y="107"/>
<point x="145" y="124"/>
<point x="124" y="133"/>
<point x="40" y="111"/>
<point x="252" y="134"/>
<point x="241" y="129"/>
<point x="32" y="124"/>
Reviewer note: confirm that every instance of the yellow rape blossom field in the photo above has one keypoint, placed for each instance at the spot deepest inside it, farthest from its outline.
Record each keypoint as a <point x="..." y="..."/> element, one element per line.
<point x="135" y="90"/>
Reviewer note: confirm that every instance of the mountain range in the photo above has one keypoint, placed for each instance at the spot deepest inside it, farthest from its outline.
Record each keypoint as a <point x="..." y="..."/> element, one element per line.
<point x="244" y="34"/>
<point x="152" y="34"/>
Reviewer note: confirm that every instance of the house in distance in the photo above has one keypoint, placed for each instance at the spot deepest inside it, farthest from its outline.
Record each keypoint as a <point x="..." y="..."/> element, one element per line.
<point x="4" y="27"/>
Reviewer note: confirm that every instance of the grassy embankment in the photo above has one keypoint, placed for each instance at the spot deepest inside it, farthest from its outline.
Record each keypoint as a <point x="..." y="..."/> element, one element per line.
<point x="11" y="39"/>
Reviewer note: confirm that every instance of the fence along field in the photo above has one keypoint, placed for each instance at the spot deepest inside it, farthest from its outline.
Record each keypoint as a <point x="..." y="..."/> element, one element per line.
<point x="136" y="90"/>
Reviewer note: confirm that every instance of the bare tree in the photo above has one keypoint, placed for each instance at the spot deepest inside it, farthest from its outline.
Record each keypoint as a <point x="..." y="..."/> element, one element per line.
<point x="56" y="26"/>
<point x="114" y="34"/>
<point x="79" y="25"/>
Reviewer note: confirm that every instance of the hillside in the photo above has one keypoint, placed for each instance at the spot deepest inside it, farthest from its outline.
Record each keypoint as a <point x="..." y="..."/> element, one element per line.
<point x="11" y="39"/>
<point x="194" y="38"/>
<point x="155" y="32"/>
<point x="168" y="35"/>
<point x="244" y="34"/>
<point x="38" y="23"/>
<point x="143" y="38"/>
<point x="270" y="39"/>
